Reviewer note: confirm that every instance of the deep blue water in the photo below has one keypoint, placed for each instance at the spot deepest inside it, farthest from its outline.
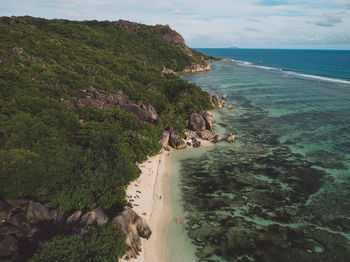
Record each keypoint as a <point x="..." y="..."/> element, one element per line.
<point x="281" y="192"/>
<point x="328" y="63"/>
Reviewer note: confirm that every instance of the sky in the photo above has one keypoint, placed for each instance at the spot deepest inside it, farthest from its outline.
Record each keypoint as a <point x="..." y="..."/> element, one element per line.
<point x="299" y="24"/>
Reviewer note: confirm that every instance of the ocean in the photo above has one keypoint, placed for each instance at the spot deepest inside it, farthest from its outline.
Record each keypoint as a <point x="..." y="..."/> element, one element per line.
<point x="281" y="191"/>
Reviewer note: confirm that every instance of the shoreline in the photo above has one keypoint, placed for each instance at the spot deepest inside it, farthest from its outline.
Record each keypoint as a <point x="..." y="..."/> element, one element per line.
<point x="153" y="203"/>
<point x="148" y="205"/>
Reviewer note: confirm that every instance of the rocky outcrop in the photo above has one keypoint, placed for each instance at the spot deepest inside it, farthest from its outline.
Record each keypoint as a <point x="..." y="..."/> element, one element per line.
<point x="175" y="140"/>
<point x="200" y="122"/>
<point x="226" y="60"/>
<point x="74" y="217"/>
<point x="128" y="26"/>
<point x="206" y="135"/>
<point x="37" y="212"/>
<point x="209" y="120"/>
<point x="201" y="127"/>
<point x="134" y="227"/>
<point x="27" y="224"/>
<point x="5" y="210"/>
<point x="94" y="217"/>
<point x="164" y="140"/>
<point x="217" y="138"/>
<point x="173" y="38"/>
<point x="8" y="246"/>
<point x="22" y="222"/>
<point x="197" y="122"/>
<point x="193" y="67"/>
<point x="230" y="138"/>
<point x="214" y="100"/>
<point x="102" y="99"/>
<point x="167" y="71"/>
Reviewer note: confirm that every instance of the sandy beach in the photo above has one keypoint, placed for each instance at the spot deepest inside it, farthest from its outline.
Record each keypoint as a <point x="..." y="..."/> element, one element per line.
<point x="149" y="196"/>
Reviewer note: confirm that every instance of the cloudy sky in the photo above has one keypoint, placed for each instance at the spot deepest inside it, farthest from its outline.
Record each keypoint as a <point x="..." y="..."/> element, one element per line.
<point x="317" y="24"/>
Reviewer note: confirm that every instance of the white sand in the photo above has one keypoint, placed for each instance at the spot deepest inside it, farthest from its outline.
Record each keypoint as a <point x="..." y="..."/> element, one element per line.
<point x="153" y="183"/>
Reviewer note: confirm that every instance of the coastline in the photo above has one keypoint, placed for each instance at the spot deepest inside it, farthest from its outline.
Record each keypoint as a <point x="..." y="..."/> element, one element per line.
<point x="152" y="184"/>
<point x="153" y="203"/>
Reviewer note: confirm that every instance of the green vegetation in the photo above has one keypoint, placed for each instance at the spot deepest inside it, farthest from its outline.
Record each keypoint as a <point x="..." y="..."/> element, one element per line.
<point x="98" y="244"/>
<point x="46" y="154"/>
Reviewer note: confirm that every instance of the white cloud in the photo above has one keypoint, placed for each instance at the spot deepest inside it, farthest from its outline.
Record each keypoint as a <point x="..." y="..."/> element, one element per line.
<point x="328" y="20"/>
<point x="211" y="23"/>
<point x="251" y="29"/>
<point x="178" y="12"/>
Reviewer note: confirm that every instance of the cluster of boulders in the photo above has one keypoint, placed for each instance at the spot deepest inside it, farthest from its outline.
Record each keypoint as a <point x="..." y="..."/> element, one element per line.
<point x="200" y="127"/>
<point x="133" y="227"/>
<point x="27" y="224"/>
<point x="169" y="138"/>
<point x="217" y="103"/>
<point x="93" y="97"/>
<point x="22" y="219"/>
<point x="193" y="67"/>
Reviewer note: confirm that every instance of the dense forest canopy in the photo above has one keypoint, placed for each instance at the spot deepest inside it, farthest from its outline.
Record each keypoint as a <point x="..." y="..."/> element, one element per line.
<point x="46" y="153"/>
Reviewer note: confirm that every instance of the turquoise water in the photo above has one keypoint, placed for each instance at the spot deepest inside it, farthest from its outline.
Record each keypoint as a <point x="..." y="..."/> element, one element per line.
<point x="312" y="63"/>
<point x="281" y="192"/>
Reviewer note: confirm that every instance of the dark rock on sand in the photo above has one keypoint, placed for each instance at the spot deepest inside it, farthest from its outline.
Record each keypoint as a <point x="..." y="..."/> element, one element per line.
<point x="164" y="140"/>
<point x="206" y="135"/>
<point x="197" y="122"/>
<point x="175" y="140"/>
<point x="134" y="227"/>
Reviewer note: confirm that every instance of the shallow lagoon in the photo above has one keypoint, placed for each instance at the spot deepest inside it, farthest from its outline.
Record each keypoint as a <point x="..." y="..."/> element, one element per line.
<point x="281" y="192"/>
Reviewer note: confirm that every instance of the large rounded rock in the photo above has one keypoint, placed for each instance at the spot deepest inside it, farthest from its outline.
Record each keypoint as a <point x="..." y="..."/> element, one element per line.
<point x="96" y="216"/>
<point x="5" y="210"/>
<point x="19" y="220"/>
<point x="74" y="217"/>
<point x="175" y="140"/>
<point x="206" y="135"/>
<point x="144" y="113"/>
<point x="37" y="212"/>
<point x="197" y="122"/>
<point x="217" y="138"/>
<point x="230" y="138"/>
<point x="164" y="140"/>
<point x="18" y="203"/>
<point x="209" y="120"/>
<point x="134" y="227"/>
<point x="215" y="101"/>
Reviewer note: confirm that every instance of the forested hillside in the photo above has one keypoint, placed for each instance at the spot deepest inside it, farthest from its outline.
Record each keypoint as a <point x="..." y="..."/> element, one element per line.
<point x="81" y="158"/>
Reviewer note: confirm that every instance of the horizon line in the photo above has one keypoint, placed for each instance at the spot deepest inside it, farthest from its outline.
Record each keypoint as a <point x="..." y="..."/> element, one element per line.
<point x="262" y="48"/>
